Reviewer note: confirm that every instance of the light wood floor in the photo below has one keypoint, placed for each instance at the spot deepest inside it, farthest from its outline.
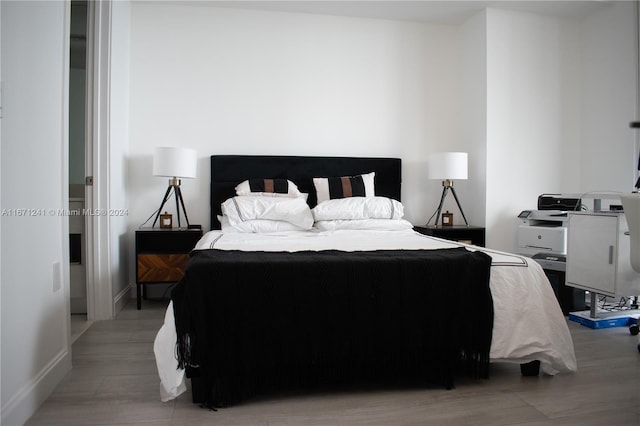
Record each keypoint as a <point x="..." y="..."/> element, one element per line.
<point x="114" y="382"/>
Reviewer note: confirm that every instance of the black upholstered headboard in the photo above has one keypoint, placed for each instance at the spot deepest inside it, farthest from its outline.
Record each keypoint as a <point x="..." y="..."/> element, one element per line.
<point x="227" y="171"/>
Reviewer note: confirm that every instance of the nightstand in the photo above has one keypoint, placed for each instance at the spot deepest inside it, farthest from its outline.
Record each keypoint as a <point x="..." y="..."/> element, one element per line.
<point x="461" y="233"/>
<point x="161" y="256"/>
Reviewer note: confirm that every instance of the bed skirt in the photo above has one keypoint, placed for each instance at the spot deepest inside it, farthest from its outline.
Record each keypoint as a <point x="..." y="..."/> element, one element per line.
<point x="253" y="322"/>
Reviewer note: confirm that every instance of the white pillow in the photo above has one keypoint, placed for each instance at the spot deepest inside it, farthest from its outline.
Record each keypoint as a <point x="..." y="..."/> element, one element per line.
<point x="358" y="208"/>
<point x="269" y="188"/>
<point x="364" y="224"/>
<point x="225" y="225"/>
<point x="246" y="208"/>
<point x="257" y="226"/>
<point x="346" y="186"/>
<point x="264" y="226"/>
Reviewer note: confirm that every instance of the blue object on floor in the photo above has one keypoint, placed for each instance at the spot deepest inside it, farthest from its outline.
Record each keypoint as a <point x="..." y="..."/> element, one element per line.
<point x="604" y="319"/>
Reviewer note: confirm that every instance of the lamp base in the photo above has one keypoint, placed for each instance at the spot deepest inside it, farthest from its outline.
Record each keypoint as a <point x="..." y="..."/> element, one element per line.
<point x="448" y="186"/>
<point x="175" y="185"/>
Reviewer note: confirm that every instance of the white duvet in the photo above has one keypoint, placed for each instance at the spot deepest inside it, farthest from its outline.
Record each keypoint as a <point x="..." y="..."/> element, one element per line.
<point x="528" y="322"/>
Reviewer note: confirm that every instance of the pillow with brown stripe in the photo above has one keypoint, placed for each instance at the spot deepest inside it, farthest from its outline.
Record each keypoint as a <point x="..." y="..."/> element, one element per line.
<point x="269" y="187"/>
<point x="344" y="187"/>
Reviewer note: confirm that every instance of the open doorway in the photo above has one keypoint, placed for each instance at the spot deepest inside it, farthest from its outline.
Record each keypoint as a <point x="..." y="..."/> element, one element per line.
<point x="77" y="150"/>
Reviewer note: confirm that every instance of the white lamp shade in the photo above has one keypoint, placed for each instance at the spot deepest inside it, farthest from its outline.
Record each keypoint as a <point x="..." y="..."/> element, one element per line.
<point x="447" y="165"/>
<point x="175" y="162"/>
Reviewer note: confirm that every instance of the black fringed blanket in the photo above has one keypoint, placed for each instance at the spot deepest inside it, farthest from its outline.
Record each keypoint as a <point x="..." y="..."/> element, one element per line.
<point x="248" y="322"/>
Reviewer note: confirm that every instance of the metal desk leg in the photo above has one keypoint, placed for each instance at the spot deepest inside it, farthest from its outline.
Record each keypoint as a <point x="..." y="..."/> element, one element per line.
<point x="592" y="312"/>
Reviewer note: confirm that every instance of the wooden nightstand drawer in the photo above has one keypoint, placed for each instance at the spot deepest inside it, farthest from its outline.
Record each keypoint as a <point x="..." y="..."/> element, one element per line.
<point x="158" y="268"/>
<point x="161" y="256"/>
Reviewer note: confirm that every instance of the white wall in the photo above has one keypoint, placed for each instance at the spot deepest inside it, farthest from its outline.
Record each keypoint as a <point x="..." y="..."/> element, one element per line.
<point x="119" y="117"/>
<point x="518" y="91"/>
<point x="34" y="175"/>
<point x="533" y="112"/>
<point x="609" y="99"/>
<point x="472" y="117"/>
<point x="77" y="100"/>
<point x="227" y="81"/>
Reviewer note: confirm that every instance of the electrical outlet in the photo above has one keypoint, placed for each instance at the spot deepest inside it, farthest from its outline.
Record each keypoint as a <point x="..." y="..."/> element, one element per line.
<point x="57" y="276"/>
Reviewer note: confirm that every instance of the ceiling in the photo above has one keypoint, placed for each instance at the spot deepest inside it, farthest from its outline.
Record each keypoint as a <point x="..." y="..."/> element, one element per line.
<point x="433" y="11"/>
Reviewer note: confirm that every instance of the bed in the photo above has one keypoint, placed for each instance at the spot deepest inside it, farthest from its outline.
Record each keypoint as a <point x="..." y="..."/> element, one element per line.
<point x="354" y="296"/>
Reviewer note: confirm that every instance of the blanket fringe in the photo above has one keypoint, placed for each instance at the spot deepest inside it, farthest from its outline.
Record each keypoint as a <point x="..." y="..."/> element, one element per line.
<point x="184" y="353"/>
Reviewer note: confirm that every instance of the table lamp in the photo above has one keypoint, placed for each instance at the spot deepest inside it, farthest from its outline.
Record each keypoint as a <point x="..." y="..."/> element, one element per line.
<point x="175" y="163"/>
<point x="447" y="166"/>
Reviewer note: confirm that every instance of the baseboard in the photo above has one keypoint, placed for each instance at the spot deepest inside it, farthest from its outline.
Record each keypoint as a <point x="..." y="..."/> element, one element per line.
<point x="121" y="299"/>
<point x="28" y="399"/>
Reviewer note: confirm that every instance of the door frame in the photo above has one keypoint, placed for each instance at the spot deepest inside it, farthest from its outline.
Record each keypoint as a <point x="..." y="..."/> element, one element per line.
<point x="99" y="277"/>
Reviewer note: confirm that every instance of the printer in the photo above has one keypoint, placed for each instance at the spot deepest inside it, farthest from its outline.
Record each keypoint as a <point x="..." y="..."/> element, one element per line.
<point x="543" y="237"/>
<point x="542" y="231"/>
